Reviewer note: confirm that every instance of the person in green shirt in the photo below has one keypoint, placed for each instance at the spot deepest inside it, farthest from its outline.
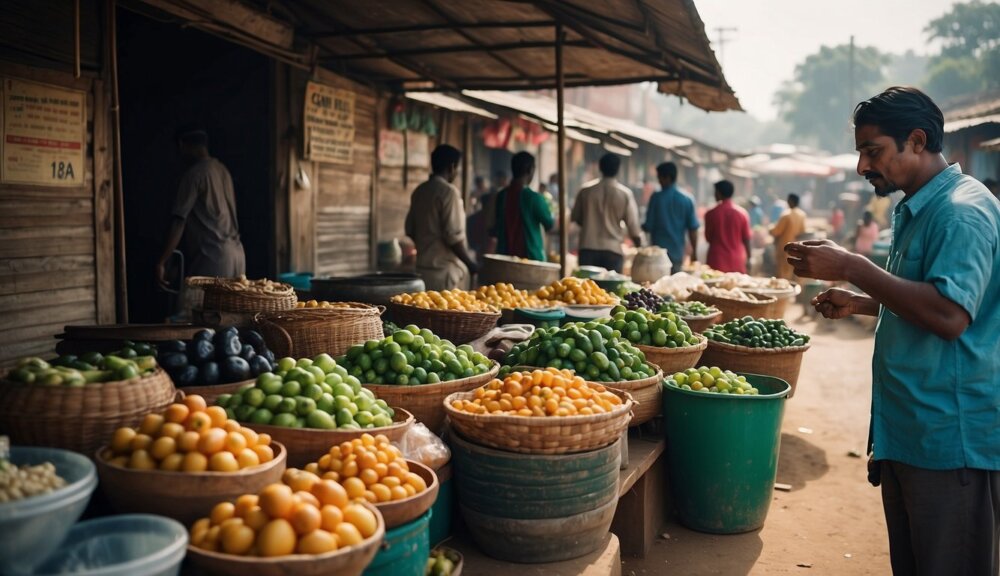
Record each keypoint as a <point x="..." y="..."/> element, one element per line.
<point x="522" y="213"/>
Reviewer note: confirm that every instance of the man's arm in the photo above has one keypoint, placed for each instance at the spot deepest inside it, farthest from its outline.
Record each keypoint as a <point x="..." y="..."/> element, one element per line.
<point x="454" y="228"/>
<point x="779" y="226"/>
<point x="693" y="238"/>
<point x="632" y="219"/>
<point x="544" y="215"/>
<point x="576" y="215"/>
<point x="463" y="254"/>
<point x="174" y="235"/>
<point x="651" y="221"/>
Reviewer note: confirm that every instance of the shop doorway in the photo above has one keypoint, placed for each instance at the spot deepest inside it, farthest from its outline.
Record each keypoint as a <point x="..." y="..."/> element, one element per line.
<point x="170" y="76"/>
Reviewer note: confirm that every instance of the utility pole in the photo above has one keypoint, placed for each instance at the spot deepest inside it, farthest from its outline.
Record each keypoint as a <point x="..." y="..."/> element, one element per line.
<point x="721" y="31"/>
<point x="850" y="74"/>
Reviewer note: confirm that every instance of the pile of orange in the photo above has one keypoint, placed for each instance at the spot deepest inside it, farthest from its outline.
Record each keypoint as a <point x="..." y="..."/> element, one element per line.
<point x="369" y="467"/>
<point x="541" y="393"/>
<point x="302" y="515"/>
<point x="504" y="295"/>
<point x="189" y="437"/>
<point x="576" y="291"/>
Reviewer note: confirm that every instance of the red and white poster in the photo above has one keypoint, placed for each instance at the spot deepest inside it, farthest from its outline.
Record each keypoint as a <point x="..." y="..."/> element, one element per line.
<point x="44" y="134"/>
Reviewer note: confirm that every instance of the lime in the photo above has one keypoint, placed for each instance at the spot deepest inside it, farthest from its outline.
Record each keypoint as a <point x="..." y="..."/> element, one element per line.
<point x="382" y="420"/>
<point x="261" y="416"/>
<point x="304" y="406"/>
<point x="254" y="397"/>
<point x="318" y="374"/>
<point x="286" y="364"/>
<point x="312" y="391"/>
<point x="272" y="401"/>
<point x="292" y="388"/>
<point x="333" y="379"/>
<point x="344" y="417"/>
<point x="244" y="413"/>
<point x="285" y="420"/>
<point x="320" y="419"/>
<point x="325" y="362"/>
<point x="304" y="363"/>
<point x="223" y="400"/>
<point x="364" y="418"/>
<point x="343" y="390"/>
<point x="286" y="406"/>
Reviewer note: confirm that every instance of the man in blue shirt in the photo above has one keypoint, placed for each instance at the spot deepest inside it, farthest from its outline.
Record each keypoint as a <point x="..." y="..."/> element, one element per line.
<point x="669" y="215"/>
<point x="935" y="425"/>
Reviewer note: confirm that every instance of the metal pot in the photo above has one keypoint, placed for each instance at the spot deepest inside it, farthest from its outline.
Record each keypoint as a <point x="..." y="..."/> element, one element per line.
<point x="375" y="288"/>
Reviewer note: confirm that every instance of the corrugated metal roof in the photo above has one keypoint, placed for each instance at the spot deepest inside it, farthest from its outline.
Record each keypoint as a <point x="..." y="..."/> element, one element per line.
<point x="449" y="103"/>
<point x="956" y="125"/>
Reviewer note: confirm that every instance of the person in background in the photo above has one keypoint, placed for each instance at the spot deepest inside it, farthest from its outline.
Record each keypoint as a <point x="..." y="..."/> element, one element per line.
<point x="993" y="186"/>
<point x="837" y="221"/>
<point x="756" y="212"/>
<point x="600" y="210"/>
<point x="500" y="180"/>
<point x="669" y="215"/>
<point x="554" y="185"/>
<point x="866" y="235"/>
<point x="727" y="231"/>
<point x="935" y="414"/>
<point x="436" y="223"/>
<point x="787" y="229"/>
<point x="480" y="189"/>
<point x="778" y="207"/>
<point x="204" y="222"/>
<point x="522" y="213"/>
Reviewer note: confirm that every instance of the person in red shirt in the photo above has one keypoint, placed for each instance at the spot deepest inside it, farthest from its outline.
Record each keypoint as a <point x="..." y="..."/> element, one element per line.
<point x="727" y="231"/>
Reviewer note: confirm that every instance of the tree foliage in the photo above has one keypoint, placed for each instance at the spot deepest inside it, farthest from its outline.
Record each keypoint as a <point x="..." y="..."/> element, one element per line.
<point x="969" y="61"/>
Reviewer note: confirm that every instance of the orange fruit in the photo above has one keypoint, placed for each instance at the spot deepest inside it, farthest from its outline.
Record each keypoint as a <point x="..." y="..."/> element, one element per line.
<point x="381" y="491"/>
<point x="141" y="442"/>
<point x="237" y="539"/>
<point x="312" y="467"/>
<point x="172" y="463"/>
<point x="223" y="462"/>
<point x="195" y="403"/>
<point x="256" y="518"/>
<point x="199" y="422"/>
<point x="367" y="460"/>
<point x="305" y="518"/>
<point x="199" y="530"/>
<point x="122" y="440"/>
<point x="151" y="425"/>
<point x="171" y="430"/>
<point x="348" y="534"/>
<point x="163" y="447"/>
<point x="331" y="476"/>
<point x="176" y="413"/>
<point x="392" y="481"/>
<point x="277" y="500"/>
<point x="211" y="541"/>
<point x="330" y="517"/>
<point x="218" y="415"/>
<point x="410" y="490"/>
<point x="350" y="469"/>
<point x="194" y="462"/>
<point x="221" y="512"/>
<point x="141" y="460"/>
<point x="361" y="518"/>
<point x="250" y="435"/>
<point x="307" y="498"/>
<point x="317" y="542"/>
<point x="247" y="458"/>
<point x="264" y="453"/>
<point x="355" y="487"/>
<point x="231" y="426"/>
<point x="188" y="441"/>
<point x="368" y="476"/>
<point x="264" y="439"/>
<point x="212" y="440"/>
<point x="277" y="538"/>
<point x="120" y="461"/>
<point x="235" y="442"/>
<point x="244" y="504"/>
<point x="300" y="480"/>
<point x="398" y="493"/>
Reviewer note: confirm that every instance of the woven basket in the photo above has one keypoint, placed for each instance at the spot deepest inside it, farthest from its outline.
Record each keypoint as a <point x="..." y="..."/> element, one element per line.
<point x="784" y="297"/>
<point x="538" y="435"/>
<point x="454" y="325"/>
<point x="79" y="419"/>
<point x="306" y="332"/>
<point x="424" y="401"/>
<point x="764" y="307"/>
<point x="211" y="393"/>
<point x="672" y="360"/>
<point x="646" y="394"/>
<point x="701" y="323"/>
<point x="228" y="295"/>
<point x="781" y="363"/>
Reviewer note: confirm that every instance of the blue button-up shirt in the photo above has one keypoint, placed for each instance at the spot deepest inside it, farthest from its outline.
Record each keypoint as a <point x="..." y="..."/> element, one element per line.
<point x="936" y="403"/>
<point x="669" y="216"/>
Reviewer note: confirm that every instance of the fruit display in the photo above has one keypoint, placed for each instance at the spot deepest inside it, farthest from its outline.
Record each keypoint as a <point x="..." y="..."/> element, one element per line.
<point x="678" y="286"/>
<point x="737" y="294"/>
<point x="715" y="380"/>
<point x="19" y="482"/>
<point x="573" y="290"/>
<point x="90" y="368"/>
<point x="259" y="286"/>
<point x="731" y="280"/>
<point x="189" y="437"/>
<point x="644" y="298"/>
<point x="455" y="300"/>
<point x="506" y="296"/>
<point x="308" y="393"/>
<point x="321" y="304"/>
<point x="306" y="516"/>
<point x="756" y="333"/>
<point x="692" y="308"/>
<point x="368" y="467"/>
<point x="594" y="350"/>
<point x="389" y="328"/>
<point x="540" y="393"/>
<point x="410" y="357"/>
<point x="442" y="562"/>
<point x="650" y="329"/>
<point x="216" y="357"/>
<point x="703" y="271"/>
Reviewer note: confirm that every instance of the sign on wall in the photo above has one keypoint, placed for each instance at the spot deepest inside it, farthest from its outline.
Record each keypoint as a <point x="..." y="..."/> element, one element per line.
<point x="329" y="124"/>
<point x="44" y="134"/>
<point x="397" y="149"/>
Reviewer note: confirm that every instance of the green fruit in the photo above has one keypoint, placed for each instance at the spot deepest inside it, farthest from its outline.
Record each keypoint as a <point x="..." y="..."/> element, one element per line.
<point x="291" y="388"/>
<point x="312" y="391"/>
<point x="272" y="401"/>
<point x="286" y="364"/>
<point x="320" y="419"/>
<point x="334" y="379"/>
<point x="325" y="403"/>
<point x="318" y="374"/>
<point x="244" y="412"/>
<point x="261" y="416"/>
<point x="286" y="406"/>
<point x="382" y="420"/>
<point x="304" y="406"/>
<point x="269" y="383"/>
<point x="285" y="420"/>
<point x="344" y="417"/>
<point x="325" y="362"/>
<point x="254" y="397"/>
<point x="223" y="400"/>
<point x="363" y="418"/>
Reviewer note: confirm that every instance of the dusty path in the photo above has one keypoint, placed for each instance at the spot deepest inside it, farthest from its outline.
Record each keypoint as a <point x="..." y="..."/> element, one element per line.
<point x="832" y="518"/>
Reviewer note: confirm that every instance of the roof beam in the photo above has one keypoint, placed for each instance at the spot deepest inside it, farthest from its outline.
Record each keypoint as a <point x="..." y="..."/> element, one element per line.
<point x="450" y="25"/>
<point x="233" y="14"/>
<point x="451" y="50"/>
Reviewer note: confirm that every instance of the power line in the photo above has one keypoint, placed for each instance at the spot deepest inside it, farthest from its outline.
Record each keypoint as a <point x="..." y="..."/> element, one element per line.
<point x="721" y="31"/>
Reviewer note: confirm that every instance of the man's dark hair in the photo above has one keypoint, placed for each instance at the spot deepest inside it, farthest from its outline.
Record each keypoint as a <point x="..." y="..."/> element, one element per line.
<point x="725" y="188"/>
<point x="192" y="135"/>
<point x="667" y="170"/>
<point x="521" y="164"/>
<point x="609" y="165"/>
<point x="793" y="200"/>
<point x="444" y="157"/>
<point x="899" y="111"/>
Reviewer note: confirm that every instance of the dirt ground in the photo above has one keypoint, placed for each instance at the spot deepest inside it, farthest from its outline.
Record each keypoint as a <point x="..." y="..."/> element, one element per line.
<point x="831" y="521"/>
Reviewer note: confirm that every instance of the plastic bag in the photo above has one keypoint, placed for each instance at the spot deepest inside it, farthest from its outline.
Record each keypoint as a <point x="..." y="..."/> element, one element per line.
<point x="422" y="445"/>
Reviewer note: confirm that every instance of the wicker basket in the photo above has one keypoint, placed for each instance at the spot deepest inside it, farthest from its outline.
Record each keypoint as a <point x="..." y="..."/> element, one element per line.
<point x="306" y="332"/>
<point x="672" y="360"/>
<point x="763" y="307"/>
<point x="523" y="274"/>
<point x="646" y="394"/>
<point x="211" y="393"/>
<point x="424" y="401"/>
<point x="701" y="323"/>
<point x="784" y="297"/>
<point x="79" y="419"/>
<point x="228" y="295"/>
<point x="349" y="561"/>
<point x="454" y="325"/>
<point x="537" y="435"/>
<point x="781" y="363"/>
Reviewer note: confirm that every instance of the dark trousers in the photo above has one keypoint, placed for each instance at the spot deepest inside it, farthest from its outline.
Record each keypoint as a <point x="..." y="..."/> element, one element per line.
<point x="942" y="522"/>
<point x="603" y="258"/>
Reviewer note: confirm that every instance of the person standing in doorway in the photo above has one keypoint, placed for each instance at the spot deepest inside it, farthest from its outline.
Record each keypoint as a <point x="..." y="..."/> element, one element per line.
<point x="521" y="213"/>
<point x="601" y="210"/>
<point x="727" y="231"/>
<point x="670" y="216"/>
<point x="436" y="223"/>
<point x="788" y="228"/>
<point x="935" y="416"/>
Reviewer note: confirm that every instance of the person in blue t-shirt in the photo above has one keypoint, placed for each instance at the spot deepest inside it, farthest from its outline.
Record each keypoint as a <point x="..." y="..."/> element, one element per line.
<point x="669" y="216"/>
<point x="935" y="417"/>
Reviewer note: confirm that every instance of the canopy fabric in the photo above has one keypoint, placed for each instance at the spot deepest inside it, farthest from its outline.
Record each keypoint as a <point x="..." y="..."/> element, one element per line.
<point x="449" y="103"/>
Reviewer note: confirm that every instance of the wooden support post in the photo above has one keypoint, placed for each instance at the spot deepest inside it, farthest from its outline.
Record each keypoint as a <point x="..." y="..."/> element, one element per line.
<point x="373" y="234"/>
<point x="121" y="286"/>
<point x="561" y="153"/>
<point x="466" y="159"/>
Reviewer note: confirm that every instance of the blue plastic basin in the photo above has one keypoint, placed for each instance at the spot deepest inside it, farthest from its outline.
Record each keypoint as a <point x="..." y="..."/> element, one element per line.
<point x="34" y="527"/>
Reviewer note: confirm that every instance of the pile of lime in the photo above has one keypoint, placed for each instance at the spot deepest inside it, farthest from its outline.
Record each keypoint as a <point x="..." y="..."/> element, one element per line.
<point x="640" y="326"/>
<point x="689" y="309"/>
<point x="308" y="393"/>
<point x="594" y="350"/>
<point x="714" y="380"/>
<point x="756" y="333"/>
<point x="411" y="357"/>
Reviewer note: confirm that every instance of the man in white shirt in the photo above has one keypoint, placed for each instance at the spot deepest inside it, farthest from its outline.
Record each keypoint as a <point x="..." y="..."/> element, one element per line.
<point x="605" y="211"/>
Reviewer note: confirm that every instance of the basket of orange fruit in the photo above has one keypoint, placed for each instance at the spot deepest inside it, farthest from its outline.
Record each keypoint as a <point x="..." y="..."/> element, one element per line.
<point x="181" y="462"/>
<point x="303" y="526"/>
<point x="372" y="469"/>
<point x="543" y="411"/>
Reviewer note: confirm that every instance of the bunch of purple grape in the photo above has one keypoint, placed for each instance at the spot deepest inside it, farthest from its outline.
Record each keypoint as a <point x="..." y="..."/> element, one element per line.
<point x="644" y="298"/>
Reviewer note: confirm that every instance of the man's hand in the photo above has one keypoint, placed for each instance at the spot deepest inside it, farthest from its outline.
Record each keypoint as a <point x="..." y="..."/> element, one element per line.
<point x="835" y="303"/>
<point x="161" y="275"/>
<point x="819" y="259"/>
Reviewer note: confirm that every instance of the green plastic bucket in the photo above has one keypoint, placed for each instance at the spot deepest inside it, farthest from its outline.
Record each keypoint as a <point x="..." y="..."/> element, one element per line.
<point x="404" y="551"/>
<point x="443" y="508"/>
<point x="723" y="454"/>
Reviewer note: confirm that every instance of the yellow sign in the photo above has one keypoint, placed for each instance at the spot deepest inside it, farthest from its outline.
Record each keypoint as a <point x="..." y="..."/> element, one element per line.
<point x="329" y="124"/>
<point x="44" y="134"/>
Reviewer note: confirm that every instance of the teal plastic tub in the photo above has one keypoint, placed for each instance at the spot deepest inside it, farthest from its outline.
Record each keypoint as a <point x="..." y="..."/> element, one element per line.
<point x="540" y="317"/>
<point x="723" y="454"/>
<point x="404" y="551"/>
<point x="443" y="508"/>
<point x="299" y="280"/>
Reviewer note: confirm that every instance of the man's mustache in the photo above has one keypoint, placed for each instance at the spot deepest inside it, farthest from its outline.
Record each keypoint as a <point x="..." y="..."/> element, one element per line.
<point x="872" y="175"/>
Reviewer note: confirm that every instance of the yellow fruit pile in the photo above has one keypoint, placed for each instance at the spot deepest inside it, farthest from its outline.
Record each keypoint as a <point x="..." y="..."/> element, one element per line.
<point x="371" y="468"/>
<point x="506" y="296"/>
<point x="459" y="300"/>
<point x="576" y="291"/>
<point x="540" y="393"/>
<point x="320" y="304"/>
<point x="189" y="437"/>
<point x="302" y="515"/>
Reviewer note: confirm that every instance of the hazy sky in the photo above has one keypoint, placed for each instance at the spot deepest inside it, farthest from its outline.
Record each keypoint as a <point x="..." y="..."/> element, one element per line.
<point x="775" y="35"/>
